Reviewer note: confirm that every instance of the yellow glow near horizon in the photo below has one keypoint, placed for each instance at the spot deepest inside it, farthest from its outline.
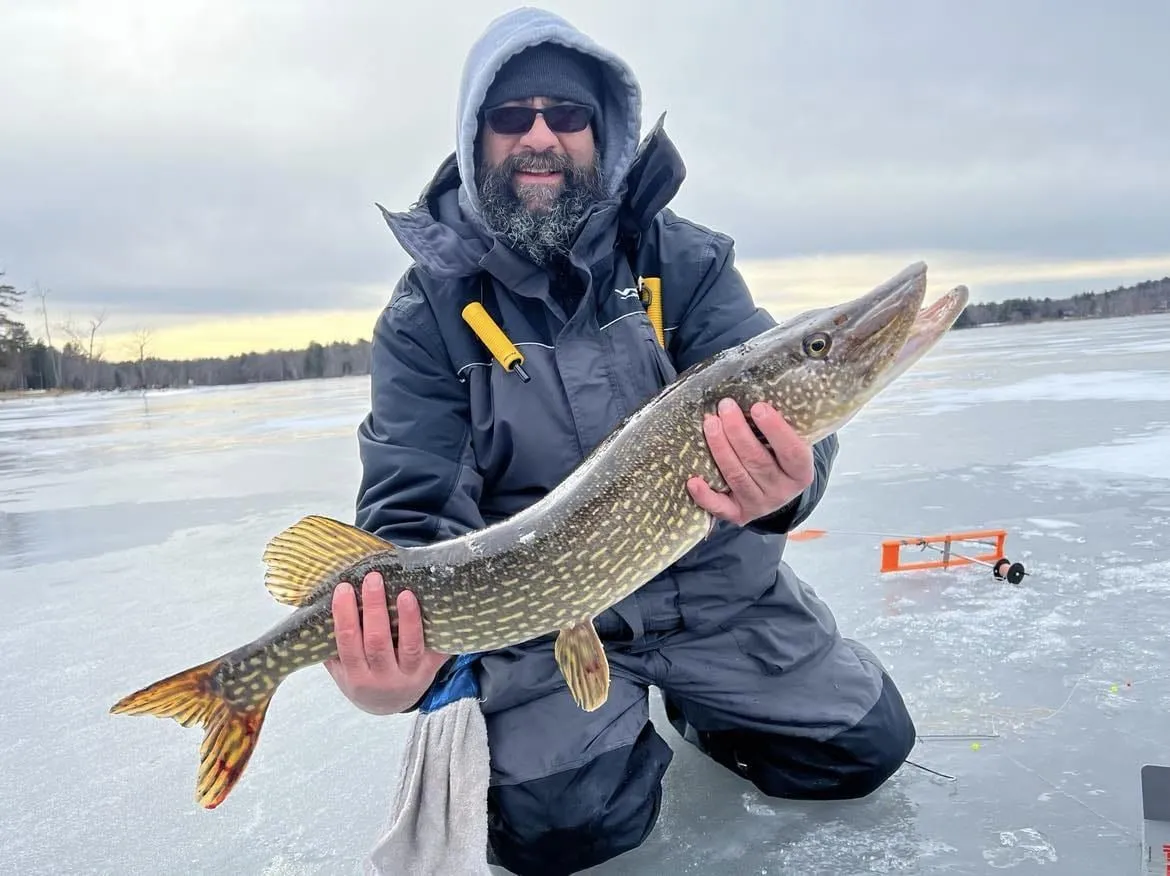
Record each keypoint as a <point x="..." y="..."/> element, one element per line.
<point x="782" y="286"/>
<point x="227" y="335"/>
<point x="785" y="286"/>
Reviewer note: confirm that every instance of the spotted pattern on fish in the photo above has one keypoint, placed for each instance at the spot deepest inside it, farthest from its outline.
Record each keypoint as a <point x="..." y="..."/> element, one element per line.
<point x="619" y="519"/>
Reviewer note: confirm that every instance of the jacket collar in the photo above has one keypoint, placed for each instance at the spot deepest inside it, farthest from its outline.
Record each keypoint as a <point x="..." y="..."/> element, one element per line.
<point x="448" y="240"/>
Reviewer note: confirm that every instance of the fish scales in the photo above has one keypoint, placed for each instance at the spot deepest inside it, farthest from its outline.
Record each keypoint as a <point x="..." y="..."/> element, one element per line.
<point x="634" y="484"/>
<point x="615" y="522"/>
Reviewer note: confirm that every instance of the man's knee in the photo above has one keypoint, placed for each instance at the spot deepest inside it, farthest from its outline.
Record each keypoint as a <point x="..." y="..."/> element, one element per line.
<point x="579" y="818"/>
<point x="852" y="764"/>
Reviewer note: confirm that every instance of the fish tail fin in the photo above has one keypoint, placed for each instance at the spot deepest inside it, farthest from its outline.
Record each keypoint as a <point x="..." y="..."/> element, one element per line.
<point x="192" y="697"/>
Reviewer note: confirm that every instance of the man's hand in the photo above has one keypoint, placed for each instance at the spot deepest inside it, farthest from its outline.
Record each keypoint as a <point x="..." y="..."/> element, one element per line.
<point x="761" y="479"/>
<point x="367" y="669"/>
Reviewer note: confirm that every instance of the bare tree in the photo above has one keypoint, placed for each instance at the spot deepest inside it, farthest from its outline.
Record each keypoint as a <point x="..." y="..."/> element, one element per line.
<point x="95" y="323"/>
<point x="84" y="341"/>
<point x="54" y="364"/>
<point x="140" y="344"/>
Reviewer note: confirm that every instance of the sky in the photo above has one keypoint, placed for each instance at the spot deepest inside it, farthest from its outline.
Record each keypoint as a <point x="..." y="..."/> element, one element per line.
<point x="208" y="171"/>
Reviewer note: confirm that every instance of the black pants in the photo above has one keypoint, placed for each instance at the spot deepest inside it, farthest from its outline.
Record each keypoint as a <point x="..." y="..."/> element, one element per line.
<point x="853" y="764"/>
<point x="571" y="790"/>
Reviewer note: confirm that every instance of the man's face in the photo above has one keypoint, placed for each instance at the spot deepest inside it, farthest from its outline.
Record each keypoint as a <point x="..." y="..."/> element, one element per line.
<point x="535" y="183"/>
<point x="537" y="160"/>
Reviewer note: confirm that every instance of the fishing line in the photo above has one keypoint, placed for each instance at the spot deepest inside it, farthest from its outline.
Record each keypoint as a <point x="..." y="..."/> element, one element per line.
<point x="817" y="533"/>
<point x="933" y="772"/>
<point x="1059" y="790"/>
<point x="1015" y="571"/>
<point x="965" y="737"/>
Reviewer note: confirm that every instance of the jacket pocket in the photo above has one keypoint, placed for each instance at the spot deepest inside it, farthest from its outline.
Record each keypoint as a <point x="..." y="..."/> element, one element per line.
<point x="782" y="642"/>
<point x="760" y="645"/>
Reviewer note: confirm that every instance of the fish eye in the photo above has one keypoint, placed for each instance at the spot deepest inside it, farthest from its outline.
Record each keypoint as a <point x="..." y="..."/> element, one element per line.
<point x="817" y="345"/>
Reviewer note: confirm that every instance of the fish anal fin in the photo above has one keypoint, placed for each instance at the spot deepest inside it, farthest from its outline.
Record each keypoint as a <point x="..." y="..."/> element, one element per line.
<point x="305" y="554"/>
<point x="582" y="661"/>
<point x="230" y="731"/>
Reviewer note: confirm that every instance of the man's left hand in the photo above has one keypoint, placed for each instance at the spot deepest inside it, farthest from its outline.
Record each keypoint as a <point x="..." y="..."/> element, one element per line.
<point x="761" y="478"/>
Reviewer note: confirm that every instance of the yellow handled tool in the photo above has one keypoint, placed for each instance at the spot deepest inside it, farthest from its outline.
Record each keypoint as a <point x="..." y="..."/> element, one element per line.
<point x="493" y="336"/>
<point x="650" y="290"/>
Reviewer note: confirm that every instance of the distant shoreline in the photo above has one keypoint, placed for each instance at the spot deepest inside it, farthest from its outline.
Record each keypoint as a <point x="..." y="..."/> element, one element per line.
<point x="125" y="391"/>
<point x="14" y="394"/>
<point x="1016" y="323"/>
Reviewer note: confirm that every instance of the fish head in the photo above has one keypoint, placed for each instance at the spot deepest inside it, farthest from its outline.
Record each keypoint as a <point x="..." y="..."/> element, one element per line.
<point x="820" y="368"/>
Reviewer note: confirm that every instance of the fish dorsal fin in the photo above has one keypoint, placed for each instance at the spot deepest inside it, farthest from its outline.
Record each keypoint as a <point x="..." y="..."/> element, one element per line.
<point x="305" y="554"/>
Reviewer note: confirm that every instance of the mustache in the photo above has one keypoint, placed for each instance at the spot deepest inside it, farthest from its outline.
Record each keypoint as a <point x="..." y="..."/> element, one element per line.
<point x="537" y="162"/>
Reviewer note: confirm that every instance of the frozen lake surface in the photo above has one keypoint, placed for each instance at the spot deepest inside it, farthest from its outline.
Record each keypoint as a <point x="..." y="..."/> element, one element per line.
<point x="130" y="541"/>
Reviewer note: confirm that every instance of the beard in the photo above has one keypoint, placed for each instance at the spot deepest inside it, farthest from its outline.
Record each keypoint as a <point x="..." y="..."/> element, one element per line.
<point x="539" y="221"/>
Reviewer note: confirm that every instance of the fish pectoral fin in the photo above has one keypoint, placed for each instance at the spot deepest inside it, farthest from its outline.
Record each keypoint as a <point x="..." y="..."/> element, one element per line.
<point x="582" y="661"/>
<point x="309" y="551"/>
<point x="229" y="732"/>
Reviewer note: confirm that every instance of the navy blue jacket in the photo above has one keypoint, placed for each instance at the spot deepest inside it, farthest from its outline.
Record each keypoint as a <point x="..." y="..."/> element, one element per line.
<point x="454" y="442"/>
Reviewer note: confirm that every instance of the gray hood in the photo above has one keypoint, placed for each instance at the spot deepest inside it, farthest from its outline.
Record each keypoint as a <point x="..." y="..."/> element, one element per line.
<point x="444" y="231"/>
<point x="621" y="102"/>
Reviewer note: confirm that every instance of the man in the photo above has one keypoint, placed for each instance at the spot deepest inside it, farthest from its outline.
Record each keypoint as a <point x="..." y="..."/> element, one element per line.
<point x="547" y="213"/>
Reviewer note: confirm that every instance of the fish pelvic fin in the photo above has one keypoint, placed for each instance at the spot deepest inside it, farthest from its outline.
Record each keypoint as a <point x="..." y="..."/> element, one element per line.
<point x="582" y="661"/>
<point x="230" y="732"/>
<point x="306" y="554"/>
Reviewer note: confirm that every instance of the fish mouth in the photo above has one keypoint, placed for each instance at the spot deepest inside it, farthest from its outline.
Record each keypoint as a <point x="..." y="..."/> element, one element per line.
<point x="930" y="324"/>
<point x="892" y="321"/>
<point x="888" y="330"/>
<point x="884" y="317"/>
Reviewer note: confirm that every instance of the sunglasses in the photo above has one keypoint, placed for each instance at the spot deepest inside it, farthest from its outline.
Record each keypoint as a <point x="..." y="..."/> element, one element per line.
<point x="563" y="118"/>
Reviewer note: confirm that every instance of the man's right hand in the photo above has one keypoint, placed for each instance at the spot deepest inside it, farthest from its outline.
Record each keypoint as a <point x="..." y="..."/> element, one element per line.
<point x="367" y="669"/>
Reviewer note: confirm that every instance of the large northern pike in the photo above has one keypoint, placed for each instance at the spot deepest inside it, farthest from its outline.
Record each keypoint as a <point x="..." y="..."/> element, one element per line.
<point x="618" y="520"/>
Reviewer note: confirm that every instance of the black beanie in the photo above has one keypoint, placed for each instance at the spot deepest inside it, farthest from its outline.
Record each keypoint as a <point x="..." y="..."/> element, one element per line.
<point x="549" y="70"/>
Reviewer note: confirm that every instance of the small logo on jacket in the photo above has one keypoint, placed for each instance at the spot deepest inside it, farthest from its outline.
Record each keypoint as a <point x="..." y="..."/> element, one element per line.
<point x="628" y="292"/>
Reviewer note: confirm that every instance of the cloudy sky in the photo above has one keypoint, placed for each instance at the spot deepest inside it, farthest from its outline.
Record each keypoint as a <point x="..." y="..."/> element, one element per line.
<point x="208" y="170"/>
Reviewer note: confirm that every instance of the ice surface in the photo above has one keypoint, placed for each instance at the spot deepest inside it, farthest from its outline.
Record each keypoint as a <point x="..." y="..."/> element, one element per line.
<point x="1151" y="386"/>
<point x="1141" y="456"/>
<point x="130" y="539"/>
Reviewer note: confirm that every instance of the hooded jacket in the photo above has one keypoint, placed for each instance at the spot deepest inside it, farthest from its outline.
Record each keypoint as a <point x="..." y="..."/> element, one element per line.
<point x="453" y="442"/>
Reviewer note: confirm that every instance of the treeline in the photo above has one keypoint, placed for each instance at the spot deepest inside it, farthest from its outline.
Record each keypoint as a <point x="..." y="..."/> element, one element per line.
<point x="1152" y="296"/>
<point x="81" y="363"/>
<point x="38" y="366"/>
<point x="80" y="371"/>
